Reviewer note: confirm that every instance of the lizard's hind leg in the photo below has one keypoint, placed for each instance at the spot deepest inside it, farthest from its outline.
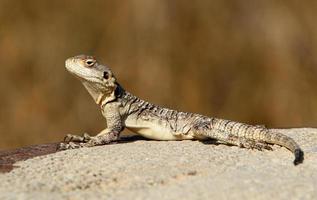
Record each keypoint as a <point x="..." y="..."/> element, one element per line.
<point x="251" y="144"/>
<point x="231" y="139"/>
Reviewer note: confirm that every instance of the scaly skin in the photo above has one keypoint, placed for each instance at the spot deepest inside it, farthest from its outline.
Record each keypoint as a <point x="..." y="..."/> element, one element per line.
<point x="124" y="110"/>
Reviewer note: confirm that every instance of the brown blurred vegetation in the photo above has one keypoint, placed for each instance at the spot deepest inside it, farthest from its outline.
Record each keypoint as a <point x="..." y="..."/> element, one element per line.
<point x="250" y="61"/>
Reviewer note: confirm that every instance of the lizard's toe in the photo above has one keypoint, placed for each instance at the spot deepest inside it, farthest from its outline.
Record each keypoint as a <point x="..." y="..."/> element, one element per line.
<point x="76" y="138"/>
<point x="68" y="138"/>
<point x="61" y="147"/>
<point x="72" y="145"/>
<point x="64" y="146"/>
<point x="86" y="137"/>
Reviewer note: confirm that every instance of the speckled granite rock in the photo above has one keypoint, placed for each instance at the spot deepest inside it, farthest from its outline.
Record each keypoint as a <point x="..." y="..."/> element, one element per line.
<point x="167" y="170"/>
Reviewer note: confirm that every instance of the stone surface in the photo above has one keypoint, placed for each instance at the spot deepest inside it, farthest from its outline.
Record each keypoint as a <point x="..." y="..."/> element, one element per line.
<point x="9" y="157"/>
<point x="142" y="169"/>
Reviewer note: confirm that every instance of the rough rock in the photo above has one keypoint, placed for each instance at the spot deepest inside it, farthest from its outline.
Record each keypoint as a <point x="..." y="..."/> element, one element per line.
<point x="143" y="169"/>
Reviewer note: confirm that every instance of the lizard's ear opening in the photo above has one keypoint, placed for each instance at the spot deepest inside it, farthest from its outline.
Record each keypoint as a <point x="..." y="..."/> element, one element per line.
<point x="106" y="75"/>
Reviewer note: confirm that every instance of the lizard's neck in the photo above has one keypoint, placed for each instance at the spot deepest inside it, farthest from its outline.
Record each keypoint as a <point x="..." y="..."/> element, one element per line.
<point x="102" y="97"/>
<point x="93" y="91"/>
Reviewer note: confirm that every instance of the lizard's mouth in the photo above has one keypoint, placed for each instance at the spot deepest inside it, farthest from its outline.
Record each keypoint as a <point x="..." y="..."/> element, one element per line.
<point x="83" y="77"/>
<point x="104" y="84"/>
<point x="91" y="79"/>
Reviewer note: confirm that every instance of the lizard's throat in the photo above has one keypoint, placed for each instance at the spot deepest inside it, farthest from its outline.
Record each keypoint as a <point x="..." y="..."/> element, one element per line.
<point x="100" y="96"/>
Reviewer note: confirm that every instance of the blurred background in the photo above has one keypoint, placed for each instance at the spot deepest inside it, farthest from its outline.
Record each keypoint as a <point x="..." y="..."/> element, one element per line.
<point x="249" y="61"/>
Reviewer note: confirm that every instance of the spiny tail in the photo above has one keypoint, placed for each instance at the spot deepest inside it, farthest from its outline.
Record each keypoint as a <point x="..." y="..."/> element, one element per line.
<point x="283" y="140"/>
<point x="259" y="133"/>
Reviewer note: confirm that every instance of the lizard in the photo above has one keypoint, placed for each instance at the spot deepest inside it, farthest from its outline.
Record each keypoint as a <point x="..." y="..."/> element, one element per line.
<point x="122" y="109"/>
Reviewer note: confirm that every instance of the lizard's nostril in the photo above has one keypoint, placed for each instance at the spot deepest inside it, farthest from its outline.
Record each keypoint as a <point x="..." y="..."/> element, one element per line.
<point x="105" y="75"/>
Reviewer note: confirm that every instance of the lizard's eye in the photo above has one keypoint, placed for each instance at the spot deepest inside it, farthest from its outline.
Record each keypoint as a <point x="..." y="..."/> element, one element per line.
<point x="105" y="75"/>
<point x="90" y="62"/>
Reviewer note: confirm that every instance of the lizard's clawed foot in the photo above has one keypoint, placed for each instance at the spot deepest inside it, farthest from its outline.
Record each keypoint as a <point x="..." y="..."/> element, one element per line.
<point x="75" y="141"/>
<point x="76" y="138"/>
<point x="73" y="145"/>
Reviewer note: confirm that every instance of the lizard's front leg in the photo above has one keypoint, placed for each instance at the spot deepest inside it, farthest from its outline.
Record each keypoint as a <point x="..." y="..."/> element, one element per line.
<point x="108" y="135"/>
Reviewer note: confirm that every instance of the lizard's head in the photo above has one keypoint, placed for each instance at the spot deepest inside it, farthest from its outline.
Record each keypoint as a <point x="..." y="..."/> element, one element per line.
<point x="97" y="78"/>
